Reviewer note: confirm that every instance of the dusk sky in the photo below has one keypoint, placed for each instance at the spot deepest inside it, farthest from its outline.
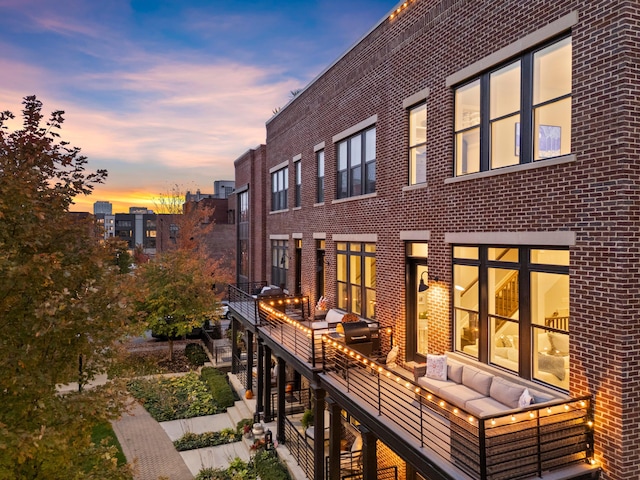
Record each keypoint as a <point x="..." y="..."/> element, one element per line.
<point x="163" y="93"/>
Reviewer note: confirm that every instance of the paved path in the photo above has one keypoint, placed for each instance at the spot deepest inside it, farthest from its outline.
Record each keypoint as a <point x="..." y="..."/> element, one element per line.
<point x="147" y="446"/>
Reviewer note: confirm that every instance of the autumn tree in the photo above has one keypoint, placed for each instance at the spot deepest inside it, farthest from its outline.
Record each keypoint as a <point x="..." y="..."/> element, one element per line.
<point x="59" y="300"/>
<point x="176" y="291"/>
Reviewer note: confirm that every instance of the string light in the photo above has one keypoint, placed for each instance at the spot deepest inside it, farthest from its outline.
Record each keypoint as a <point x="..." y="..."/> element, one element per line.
<point x="400" y="9"/>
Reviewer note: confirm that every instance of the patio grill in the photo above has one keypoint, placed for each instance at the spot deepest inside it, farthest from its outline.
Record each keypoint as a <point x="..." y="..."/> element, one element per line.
<point x="357" y="336"/>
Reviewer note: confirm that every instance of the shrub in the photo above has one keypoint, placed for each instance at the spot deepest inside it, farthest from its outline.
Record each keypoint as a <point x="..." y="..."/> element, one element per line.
<point x="190" y="441"/>
<point x="268" y="467"/>
<point x="213" y="474"/>
<point x="195" y="354"/>
<point x="219" y="387"/>
<point x="173" y="398"/>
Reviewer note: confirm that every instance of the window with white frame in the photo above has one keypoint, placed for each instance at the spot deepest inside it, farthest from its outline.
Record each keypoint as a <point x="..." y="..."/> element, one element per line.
<point x="320" y="173"/>
<point x="297" y="168"/>
<point x="279" y="189"/>
<point x="418" y="144"/>
<point x="517" y="113"/>
<point x="357" y="164"/>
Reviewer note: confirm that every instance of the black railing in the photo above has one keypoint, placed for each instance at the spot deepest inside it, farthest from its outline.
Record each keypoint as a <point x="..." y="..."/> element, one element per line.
<point x="219" y="349"/>
<point x="243" y="302"/>
<point x="516" y="444"/>
<point x="299" y="448"/>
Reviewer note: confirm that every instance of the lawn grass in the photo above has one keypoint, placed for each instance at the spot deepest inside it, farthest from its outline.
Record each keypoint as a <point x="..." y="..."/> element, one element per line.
<point x="104" y="431"/>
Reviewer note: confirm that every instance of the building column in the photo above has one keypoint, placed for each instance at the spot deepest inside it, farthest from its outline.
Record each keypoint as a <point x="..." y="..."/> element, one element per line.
<point x="334" y="438"/>
<point x="282" y="386"/>
<point x="249" y="380"/>
<point x="267" y="384"/>
<point x="234" y="345"/>
<point x="260" y="393"/>
<point x="369" y="454"/>
<point x="318" y="437"/>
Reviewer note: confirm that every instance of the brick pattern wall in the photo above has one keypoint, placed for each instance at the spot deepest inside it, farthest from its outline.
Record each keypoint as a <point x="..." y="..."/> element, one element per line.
<point x="596" y="196"/>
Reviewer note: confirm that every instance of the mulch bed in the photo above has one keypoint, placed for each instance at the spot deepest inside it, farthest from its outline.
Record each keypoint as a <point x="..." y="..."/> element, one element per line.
<point x="152" y="357"/>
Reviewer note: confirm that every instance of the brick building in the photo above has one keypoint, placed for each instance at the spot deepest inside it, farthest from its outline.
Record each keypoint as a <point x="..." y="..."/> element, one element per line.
<point x="466" y="177"/>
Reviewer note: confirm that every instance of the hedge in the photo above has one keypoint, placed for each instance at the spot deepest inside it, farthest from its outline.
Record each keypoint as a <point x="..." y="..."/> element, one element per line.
<point x="219" y="386"/>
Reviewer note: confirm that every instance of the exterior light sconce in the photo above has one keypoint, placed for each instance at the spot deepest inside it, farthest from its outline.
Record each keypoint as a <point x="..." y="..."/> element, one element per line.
<point x="390" y="333"/>
<point x="423" y="285"/>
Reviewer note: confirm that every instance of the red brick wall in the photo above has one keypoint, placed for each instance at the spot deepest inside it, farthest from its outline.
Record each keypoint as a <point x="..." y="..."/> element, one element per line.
<point x="596" y="196"/>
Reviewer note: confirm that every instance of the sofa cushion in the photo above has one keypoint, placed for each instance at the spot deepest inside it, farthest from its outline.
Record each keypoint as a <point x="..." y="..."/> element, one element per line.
<point x="506" y="392"/>
<point x="484" y="406"/>
<point x="477" y="380"/>
<point x="437" y="367"/>
<point x="454" y="370"/>
<point x="458" y="395"/>
<point x="433" y="385"/>
<point x="552" y="364"/>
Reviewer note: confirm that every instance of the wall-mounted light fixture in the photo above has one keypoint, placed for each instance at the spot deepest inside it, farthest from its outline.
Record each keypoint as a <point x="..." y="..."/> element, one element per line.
<point x="423" y="286"/>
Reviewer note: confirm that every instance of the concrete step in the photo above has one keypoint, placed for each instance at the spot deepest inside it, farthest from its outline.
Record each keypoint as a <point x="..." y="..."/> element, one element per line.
<point x="238" y="412"/>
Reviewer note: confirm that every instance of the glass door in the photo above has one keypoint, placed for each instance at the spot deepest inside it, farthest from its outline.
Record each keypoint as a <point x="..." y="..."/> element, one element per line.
<point x="421" y="289"/>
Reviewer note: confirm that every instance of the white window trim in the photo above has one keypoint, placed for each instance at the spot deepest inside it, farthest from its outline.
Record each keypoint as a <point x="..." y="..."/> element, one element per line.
<point x="357" y="197"/>
<point x="415" y="99"/>
<point x="546" y="33"/>
<point x="355" y="237"/>
<point x="319" y="235"/>
<point x="279" y="236"/>
<point x="513" y="168"/>
<point x="318" y="147"/>
<point x="372" y="120"/>
<point x="280" y="166"/>
<point x="559" y="238"/>
<point x="415" y="235"/>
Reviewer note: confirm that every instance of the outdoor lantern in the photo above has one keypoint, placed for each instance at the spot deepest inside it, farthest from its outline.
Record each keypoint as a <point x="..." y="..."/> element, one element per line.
<point x="268" y="439"/>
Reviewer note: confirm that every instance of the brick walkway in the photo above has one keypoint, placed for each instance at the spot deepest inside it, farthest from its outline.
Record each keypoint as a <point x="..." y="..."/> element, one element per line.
<point x="147" y="446"/>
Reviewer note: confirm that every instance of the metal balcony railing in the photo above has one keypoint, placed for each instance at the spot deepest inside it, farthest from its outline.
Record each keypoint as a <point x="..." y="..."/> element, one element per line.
<point x="517" y="444"/>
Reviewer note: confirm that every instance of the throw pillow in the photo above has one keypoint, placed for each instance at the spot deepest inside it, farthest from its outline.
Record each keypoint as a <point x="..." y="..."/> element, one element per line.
<point x="437" y="367"/>
<point x="552" y="364"/>
<point x="525" y="399"/>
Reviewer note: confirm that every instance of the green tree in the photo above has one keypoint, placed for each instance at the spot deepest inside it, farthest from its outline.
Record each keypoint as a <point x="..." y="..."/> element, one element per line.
<point x="175" y="293"/>
<point x="59" y="299"/>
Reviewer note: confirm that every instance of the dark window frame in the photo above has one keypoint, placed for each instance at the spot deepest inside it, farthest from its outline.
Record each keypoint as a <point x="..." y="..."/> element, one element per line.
<point x="345" y="179"/>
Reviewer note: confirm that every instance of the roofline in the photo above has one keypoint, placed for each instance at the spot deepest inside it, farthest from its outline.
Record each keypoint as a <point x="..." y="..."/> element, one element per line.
<point x="326" y="69"/>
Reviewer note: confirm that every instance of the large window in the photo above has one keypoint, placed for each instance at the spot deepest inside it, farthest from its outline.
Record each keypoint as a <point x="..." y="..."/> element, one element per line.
<point x="320" y="172"/>
<point x="517" y="113"/>
<point x="279" y="189"/>
<point x="243" y="237"/>
<point x="356" y="278"/>
<point x="511" y="309"/>
<point x="279" y="262"/>
<point x="357" y="164"/>
<point x="297" y="167"/>
<point x="418" y="144"/>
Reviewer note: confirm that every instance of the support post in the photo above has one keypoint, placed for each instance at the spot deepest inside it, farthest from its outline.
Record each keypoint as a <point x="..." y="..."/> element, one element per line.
<point x="318" y="435"/>
<point x="267" y="384"/>
<point x="282" y="385"/>
<point x="260" y="372"/>
<point x="234" y="346"/>
<point x="334" y="438"/>
<point x="249" y="380"/>
<point x="369" y="454"/>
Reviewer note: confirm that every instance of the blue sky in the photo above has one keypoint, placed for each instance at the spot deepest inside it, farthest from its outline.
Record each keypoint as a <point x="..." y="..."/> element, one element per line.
<point x="164" y="93"/>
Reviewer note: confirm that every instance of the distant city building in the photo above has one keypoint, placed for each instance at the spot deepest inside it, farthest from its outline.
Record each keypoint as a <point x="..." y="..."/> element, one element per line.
<point x="221" y="189"/>
<point x="105" y="208"/>
<point x="140" y="210"/>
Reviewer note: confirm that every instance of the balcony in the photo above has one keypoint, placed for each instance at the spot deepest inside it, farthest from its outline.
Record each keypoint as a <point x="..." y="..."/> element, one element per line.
<point x="442" y="440"/>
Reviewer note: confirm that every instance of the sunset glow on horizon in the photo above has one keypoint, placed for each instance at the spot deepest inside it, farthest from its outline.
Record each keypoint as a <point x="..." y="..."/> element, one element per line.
<point x="168" y="93"/>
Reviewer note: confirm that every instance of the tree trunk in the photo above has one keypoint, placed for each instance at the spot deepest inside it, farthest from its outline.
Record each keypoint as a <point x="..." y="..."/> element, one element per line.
<point x="170" y="349"/>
